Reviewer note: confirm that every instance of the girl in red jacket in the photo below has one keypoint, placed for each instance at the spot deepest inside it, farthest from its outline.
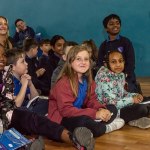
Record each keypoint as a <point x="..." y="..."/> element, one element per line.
<point x="73" y="102"/>
<point x="28" y="122"/>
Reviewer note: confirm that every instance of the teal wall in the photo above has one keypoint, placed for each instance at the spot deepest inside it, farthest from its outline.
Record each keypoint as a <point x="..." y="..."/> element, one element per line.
<point x="79" y="20"/>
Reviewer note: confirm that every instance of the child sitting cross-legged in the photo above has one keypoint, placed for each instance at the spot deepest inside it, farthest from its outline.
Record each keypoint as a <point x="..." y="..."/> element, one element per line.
<point x="73" y="102"/>
<point x="110" y="89"/>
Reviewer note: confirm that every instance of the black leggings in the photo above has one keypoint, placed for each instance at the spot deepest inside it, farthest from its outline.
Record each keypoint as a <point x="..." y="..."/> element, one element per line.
<point x="97" y="128"/>
<point x="134" y="112"/>
<point x="30" y="123"/>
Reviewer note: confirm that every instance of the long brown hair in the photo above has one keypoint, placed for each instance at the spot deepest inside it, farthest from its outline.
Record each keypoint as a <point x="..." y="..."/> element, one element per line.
<point x="71" y="74"/>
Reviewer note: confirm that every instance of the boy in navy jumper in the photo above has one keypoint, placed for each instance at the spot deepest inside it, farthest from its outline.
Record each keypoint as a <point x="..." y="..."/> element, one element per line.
<point x="112" y="25"/>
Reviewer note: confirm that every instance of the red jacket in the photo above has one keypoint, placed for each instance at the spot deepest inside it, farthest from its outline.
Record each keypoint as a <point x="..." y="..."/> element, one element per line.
<point x="61" y="102"/>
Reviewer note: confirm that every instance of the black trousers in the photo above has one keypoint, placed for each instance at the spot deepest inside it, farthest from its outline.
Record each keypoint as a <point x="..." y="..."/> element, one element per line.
<point x="134" y="112"/>
<point x="97" y="128"/>
<point x="132" y="85"/>
<point x="30" y="123"/>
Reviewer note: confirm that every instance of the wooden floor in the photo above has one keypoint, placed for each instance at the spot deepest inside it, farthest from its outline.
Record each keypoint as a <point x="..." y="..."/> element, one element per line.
<point x="128" y="138"/>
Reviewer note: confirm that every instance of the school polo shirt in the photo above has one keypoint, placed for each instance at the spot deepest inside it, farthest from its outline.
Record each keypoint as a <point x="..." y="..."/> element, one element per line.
<point x="17" y="87"/>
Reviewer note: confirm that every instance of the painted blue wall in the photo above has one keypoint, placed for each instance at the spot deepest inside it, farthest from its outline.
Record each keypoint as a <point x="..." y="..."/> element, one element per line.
<point x="79" y="20"/>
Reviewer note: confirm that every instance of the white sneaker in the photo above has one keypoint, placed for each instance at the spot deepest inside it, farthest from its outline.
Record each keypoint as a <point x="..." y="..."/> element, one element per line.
<point x="142" y="123"/>
<point x="115" y="125"/>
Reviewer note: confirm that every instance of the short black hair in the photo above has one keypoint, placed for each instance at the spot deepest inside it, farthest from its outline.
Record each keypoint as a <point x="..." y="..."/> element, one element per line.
<point x="55" y="38"/>
<point x="17" y="20"/>
<point x="109" y="17"/>
<point x="29" y="43"/>
<point x="45" y="41"/>
<point x="106" y="57"/>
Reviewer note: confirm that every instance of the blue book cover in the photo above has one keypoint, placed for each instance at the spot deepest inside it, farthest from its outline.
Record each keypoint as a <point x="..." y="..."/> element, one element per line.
<point x="11" y="140"/>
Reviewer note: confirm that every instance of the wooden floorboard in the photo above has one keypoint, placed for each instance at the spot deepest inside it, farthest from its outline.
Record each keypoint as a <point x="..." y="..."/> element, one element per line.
<point x="127" y="138"/>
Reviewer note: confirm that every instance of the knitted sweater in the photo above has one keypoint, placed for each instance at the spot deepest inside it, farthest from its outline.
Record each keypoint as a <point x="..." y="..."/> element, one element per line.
<point x="110" y="88"/>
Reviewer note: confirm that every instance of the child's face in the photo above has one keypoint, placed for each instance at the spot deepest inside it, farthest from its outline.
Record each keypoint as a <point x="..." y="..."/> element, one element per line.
<point x="3" y="26"/>
<point x="113" y="26"/>
<point x="81" y="63"/>
<point x="116" y="62"/>
<point x="46" y="48"/>
<point x="21" y="67"/>
<point x="34" y="51"/>
<point x="2" y="59"/>
<point x="58" y="47"/>
<point x="66" y="51"/>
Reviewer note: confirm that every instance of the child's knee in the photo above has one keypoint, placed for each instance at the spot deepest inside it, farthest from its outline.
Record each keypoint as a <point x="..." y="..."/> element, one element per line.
<point x="96" y="128"/>
<point x="144" y="110"/>
<point x="99" y="131"/>
<point x="112" y="109"/>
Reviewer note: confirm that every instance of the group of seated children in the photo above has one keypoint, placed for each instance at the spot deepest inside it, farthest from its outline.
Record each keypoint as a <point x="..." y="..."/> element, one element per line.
<point x="78" y="108"/>
<point x="26" y="121"/>
<point x="73" y="100"/>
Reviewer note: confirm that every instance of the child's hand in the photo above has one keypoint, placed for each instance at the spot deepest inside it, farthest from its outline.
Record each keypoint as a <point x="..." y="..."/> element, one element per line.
<point x="24" y="80"/>
<point x="40" y="72"/>
<point x="140" y="97"/>
<point x="17" y="30"/>
<point x="103" y="114"/>
<point x="29" y="79"/>
<point x="27" y="76"/>
<point x="137" y="98"/>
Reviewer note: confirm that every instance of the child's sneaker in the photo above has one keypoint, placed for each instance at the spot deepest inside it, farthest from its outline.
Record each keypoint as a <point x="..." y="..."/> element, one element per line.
<point x="142" y="123"/>
<point x="37" y="144"/>
<point x="115" y="125"/>
<point x="83" y="139"/>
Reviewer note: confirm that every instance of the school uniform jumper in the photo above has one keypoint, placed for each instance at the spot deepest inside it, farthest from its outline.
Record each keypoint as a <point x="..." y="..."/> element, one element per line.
<point x="124" y="45"/>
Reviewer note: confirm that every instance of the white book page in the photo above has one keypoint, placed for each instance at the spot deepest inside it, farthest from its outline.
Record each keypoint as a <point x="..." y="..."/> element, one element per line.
<point x="30" y="101"/>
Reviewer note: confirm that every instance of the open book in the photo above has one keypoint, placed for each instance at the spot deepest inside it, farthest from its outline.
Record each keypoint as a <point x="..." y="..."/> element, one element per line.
<point x="145" y="102"/>
<point x="32" y="100"/>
